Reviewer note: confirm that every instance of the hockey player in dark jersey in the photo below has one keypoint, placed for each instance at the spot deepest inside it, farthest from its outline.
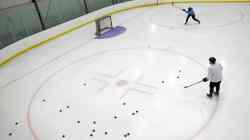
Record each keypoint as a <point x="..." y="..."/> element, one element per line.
<point x="190" y="13"/>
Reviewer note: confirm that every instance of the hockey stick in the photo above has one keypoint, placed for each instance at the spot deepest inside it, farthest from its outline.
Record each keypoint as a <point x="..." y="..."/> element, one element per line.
<point x="193" y="84"/>
<point x="172" y="3"/>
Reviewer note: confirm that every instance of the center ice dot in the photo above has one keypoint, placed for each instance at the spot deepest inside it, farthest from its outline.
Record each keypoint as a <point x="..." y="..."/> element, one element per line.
<point x="122" y="83"/>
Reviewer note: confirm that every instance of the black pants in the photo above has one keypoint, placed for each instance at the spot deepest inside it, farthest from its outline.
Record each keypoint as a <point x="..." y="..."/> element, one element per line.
<point x="193" y="17"/>
<point x="213" y="85"/>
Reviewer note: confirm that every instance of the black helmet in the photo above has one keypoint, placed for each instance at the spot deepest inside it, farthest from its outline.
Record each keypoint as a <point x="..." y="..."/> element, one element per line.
<point x="212" y="60"/>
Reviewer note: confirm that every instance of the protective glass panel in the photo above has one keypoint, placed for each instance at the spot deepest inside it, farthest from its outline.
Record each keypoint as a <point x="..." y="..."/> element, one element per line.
<point x="97" y="4"/>
<point x="55" y="12"/>
<point x="18" y="23"/>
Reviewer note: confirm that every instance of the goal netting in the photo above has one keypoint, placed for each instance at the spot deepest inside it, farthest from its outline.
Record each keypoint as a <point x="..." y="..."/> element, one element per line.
<point x="103" y="24"/>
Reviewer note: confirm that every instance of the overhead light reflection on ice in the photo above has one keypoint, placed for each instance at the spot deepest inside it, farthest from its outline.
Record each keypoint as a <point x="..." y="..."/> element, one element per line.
<point x="150" y="57"/>
<point x="153" y="28"/>
<point x="135" y="72"/>
<point x="171" y="80"/>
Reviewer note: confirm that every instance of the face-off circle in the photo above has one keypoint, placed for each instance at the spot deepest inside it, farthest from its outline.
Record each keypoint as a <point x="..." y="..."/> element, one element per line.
<point x="122" y="82"/>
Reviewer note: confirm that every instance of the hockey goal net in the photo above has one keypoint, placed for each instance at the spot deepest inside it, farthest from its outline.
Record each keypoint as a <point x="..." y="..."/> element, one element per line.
<point x="103" y="24"/>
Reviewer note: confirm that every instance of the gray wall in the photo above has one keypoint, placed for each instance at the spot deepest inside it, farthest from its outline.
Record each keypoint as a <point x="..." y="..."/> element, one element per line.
<point x="10" y="3"/>
<point x="20" y="18"/>
<point x="18" y="22"/>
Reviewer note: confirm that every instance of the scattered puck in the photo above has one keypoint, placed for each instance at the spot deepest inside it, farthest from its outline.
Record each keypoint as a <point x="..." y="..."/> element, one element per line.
<point x="63" y="136"/>
<point x="67" y="107"/>
<point x="126" y="135"/>
<point x="94" y="122"/>
<point x="136" y="111"/>
<point x="106" y="133"/>
<point x="84" y="84"/>
<point x="179" y="70"/>
<point x="78" y="121"/>
<point x="178" y="77"/>
<point x="16" y="123"/>
<point x="91" y="135"/>
<point x="123" y="103"/>
<point x="115" y="117"/>
<point x="93" y="130"/>
<point x="44" y="100"/>
<point x="60" y="110"/>
<point x="133" y="113"/>
<point x="10" y="134"/>
<point x="162" y="82"/>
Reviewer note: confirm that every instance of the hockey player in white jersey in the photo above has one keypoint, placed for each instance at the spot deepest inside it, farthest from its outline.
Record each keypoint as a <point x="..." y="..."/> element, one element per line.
<point x="214" y="75"/>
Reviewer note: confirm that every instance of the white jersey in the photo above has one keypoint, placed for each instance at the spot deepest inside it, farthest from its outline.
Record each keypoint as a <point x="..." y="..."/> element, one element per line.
<point x="215" y="72"/>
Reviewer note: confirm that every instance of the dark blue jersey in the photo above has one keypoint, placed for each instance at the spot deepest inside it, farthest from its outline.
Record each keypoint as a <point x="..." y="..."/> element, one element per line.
<point x="190" y="11"/>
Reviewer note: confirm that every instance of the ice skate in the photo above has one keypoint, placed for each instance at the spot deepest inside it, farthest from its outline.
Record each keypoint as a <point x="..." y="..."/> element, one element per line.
<point x="216" y="94"/>
<point x="209" y="95"/>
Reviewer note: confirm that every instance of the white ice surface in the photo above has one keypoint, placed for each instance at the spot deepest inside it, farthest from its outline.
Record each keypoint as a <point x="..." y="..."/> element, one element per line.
<point x="139" y="67"/>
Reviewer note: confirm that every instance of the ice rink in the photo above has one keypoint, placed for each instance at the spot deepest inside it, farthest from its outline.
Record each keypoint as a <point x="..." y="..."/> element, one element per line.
<point x="131" y="86"/>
